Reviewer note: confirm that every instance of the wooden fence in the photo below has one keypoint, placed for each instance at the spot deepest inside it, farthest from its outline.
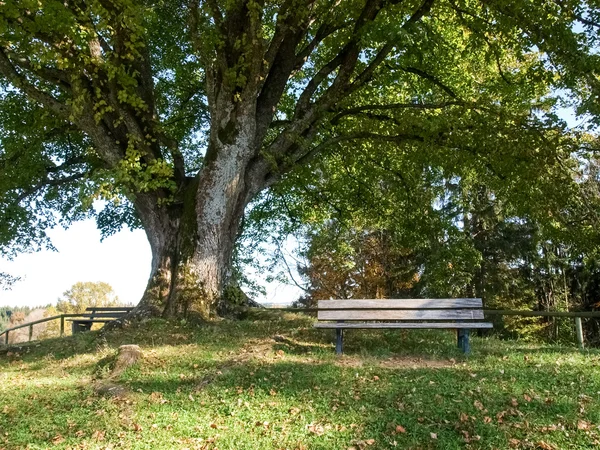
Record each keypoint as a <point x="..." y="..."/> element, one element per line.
<point x="61" y="317"/>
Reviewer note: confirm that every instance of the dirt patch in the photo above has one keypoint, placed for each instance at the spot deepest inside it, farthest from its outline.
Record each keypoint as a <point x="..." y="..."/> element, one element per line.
<point x="349" y="361"/>
<point x="405" y="362"/>
<point x="415" y="363"/>
<point x="256" y="348"/>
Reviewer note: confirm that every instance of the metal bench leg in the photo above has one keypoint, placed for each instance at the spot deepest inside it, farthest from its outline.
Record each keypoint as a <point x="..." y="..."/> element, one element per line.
<point x="339" y="344"/>
<point x="459" y="337"/>
<point x="466" y="345"/>
<point x="74" y="327"/>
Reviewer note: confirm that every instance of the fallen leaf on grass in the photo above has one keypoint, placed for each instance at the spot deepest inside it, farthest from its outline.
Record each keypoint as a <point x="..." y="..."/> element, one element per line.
<point x="316" y="428"/>
<point x="544" y="446"/>
<point x="98" y="435"/>
<point x="400" y="429"/>
<point x="361" y="445"/>
<point x="58" y="439"/>
<point x="583" y="425"/>
<point x="433" y="435"/>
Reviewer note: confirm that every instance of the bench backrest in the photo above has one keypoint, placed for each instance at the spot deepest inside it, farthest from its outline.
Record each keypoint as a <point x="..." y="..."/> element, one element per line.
<point x="107" y="311"/>
<point x="124" y="309"/>
<point x="404" y="309"/>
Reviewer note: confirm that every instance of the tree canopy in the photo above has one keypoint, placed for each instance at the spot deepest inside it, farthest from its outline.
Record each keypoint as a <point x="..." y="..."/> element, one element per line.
<point x="180" y="114"/>
<point x="85" y="294"/>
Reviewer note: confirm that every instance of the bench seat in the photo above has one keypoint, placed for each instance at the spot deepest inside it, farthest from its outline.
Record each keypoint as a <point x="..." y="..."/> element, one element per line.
<point x="383" y="325"/>
<point x="98" y="315"/>
<point x="90" y="320"/>
<point x="461" y="314"/>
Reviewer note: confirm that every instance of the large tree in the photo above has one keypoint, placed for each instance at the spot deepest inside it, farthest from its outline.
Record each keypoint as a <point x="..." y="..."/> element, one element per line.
<point x="181" y="113"/>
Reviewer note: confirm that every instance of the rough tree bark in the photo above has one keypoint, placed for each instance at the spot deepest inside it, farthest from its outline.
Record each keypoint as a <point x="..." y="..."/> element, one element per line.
<point x="192" y="241"/>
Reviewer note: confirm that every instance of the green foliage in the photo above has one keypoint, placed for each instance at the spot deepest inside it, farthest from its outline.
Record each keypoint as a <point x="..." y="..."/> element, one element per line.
<point x="482" y="220"/>
<point x="85" y="294"/>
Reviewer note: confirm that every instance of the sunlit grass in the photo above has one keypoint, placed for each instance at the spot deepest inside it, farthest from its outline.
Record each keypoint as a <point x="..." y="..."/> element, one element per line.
<point x="277" y="384"/>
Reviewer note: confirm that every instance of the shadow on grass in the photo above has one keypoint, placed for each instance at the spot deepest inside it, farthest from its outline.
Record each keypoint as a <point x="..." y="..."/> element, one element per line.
<point x="291" y="333"/>
<point x="228" y="373"/>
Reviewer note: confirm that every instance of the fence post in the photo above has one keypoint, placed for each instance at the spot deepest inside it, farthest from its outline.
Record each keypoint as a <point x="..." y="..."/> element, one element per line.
<point x="6" y="338"/>
<point x="30" y="332"/>
<point x="62" y="325"/>
<point x="579" y="331"/>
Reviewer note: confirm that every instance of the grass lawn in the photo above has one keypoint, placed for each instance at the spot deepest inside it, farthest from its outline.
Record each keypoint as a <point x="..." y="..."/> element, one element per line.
<point x="274" y="382"/>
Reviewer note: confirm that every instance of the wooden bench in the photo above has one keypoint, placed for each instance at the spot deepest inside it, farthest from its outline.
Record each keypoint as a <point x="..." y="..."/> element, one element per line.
<point x="462" y="314"/>
<point x="97" y="314"/>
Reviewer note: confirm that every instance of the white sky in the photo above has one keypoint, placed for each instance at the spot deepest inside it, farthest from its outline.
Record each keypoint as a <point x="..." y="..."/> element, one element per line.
<point x="122" y="260"/>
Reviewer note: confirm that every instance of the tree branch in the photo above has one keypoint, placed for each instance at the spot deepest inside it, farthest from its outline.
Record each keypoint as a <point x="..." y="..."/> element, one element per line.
<point x="52" y="75"/>
<point x="19" y="81"/>
<point x="393" y="106"/>
<point x="345" y="59"/>
<point x="301" y="156"/>
<point x="48" y="182"/>
<point x="431" y="78"/>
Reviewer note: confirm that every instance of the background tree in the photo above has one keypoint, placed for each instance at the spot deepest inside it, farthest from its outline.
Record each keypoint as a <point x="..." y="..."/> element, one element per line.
<point x="12" y="315"/>
<point x="85" y="294"/>
<point x="463" y="233"/>
<point x="182" y="113"/>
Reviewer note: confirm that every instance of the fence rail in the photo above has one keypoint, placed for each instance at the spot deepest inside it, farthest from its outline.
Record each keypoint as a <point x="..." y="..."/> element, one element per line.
<point x="62" y="317"/>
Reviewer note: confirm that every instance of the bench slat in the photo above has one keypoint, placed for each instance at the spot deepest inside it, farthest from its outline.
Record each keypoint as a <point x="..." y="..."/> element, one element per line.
<point x="90" y="320"/>
<point x="103" y="314"/>
<point x="110" y="308"/>
<point x="401" y="314"/>
<point x="409" y="303"/>
<point x="450" y="325"/>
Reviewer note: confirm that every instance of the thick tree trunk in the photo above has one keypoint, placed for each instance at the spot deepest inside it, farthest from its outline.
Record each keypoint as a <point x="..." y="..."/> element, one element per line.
<point x="190" y="271"/>
<point x="193" y="239"/>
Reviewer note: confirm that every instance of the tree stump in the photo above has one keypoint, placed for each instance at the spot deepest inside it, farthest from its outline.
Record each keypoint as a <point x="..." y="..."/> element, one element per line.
<point x="127" y="356"/>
